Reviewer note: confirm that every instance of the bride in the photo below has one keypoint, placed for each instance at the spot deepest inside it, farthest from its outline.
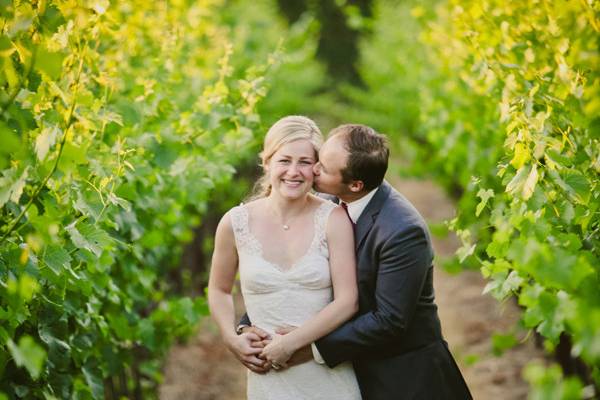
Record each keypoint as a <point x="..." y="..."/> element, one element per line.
<point x="295" y="255"/>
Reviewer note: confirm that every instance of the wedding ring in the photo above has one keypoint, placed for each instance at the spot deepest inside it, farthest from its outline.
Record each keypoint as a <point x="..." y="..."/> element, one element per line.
<point x="275" y="366"/>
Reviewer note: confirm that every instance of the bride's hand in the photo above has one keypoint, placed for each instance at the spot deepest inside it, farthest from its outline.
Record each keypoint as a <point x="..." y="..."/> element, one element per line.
<point x="278" y="352"/>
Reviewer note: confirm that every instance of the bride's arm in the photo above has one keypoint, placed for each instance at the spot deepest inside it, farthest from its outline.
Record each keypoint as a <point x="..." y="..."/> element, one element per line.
<point x="220" y="284"/>
<point x="342" y="265"/>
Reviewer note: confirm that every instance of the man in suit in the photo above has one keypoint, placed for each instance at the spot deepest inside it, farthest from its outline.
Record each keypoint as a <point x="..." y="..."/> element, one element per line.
<point x="395" y="342"/>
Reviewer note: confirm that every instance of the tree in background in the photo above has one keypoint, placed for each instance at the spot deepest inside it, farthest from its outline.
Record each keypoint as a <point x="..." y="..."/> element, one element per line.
<point x="340" y="31"/>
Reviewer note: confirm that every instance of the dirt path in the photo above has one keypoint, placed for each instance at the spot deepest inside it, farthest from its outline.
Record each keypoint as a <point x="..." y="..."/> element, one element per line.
<point x="204" y="370"/>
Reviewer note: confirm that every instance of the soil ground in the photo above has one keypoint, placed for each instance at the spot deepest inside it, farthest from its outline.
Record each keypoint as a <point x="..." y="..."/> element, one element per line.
<point x="204" y="370"/>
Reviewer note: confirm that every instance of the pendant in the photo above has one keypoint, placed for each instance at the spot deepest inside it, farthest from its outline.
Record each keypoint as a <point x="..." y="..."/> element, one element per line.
<point x="286" y="227"/>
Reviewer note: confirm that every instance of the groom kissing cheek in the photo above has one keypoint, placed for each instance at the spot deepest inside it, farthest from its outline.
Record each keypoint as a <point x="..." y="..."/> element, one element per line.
<point x="395" y="341"/>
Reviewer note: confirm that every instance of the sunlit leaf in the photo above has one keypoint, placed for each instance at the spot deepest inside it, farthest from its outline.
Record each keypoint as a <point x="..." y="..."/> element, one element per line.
<point x="484" y="195"/>
<point x="516" y="184"/>
<point x="529" y="185"/>
<point x="11" y="187"/>
<point x="45" y="140"/>
<point x="89" y="237"/>
<point x="49" y="63"/>
<point x="521" y="156"/>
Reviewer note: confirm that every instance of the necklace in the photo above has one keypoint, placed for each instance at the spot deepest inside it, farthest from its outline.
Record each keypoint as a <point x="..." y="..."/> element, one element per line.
<point x="287" y="225"/>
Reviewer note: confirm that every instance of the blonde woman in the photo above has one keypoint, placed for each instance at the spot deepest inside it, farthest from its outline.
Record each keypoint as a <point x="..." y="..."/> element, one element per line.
<point x="295" y="256"/>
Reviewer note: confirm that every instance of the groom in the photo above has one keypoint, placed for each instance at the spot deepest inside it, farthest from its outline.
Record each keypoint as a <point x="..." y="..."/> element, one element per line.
<point x="395" y="341"/>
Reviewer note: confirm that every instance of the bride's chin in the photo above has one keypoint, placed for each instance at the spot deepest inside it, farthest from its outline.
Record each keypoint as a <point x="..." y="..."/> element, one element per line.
<point x="293" y="194"/>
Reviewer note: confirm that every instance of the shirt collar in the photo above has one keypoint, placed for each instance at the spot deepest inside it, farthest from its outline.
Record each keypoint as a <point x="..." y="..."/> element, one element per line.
<point x="356" y="207"/>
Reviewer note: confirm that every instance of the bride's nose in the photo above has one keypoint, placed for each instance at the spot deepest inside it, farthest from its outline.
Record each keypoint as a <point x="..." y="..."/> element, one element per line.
<point x="293" y="169"/>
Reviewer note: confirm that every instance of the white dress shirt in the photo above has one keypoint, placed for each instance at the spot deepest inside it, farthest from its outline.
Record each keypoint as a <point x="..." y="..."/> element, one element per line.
<point x="355" y="209"/>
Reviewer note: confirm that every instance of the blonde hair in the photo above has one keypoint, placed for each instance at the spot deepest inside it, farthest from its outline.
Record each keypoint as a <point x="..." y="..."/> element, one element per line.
<point x="284" y="131"/>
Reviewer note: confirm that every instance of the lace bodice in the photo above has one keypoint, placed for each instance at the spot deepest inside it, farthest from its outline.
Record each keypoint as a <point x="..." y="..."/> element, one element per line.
<point x="277" y="296"/>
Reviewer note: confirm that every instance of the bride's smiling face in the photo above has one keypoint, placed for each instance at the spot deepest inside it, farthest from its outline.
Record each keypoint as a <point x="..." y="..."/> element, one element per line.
<point x="290" y="169"/>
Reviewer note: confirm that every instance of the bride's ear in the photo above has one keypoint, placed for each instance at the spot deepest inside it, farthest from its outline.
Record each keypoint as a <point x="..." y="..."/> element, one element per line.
<point x="264" y="164"/>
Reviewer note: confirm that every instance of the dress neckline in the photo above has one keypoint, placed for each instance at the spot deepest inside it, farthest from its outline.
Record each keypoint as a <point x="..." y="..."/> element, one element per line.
<point x="259" y="246"/>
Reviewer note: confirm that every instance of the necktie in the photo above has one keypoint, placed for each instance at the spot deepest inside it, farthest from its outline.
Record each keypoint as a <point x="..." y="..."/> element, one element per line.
<point x="345" y="207"/>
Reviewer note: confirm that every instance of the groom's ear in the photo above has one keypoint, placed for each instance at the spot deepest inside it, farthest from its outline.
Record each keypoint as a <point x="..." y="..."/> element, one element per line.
<point x="357" y="186"/>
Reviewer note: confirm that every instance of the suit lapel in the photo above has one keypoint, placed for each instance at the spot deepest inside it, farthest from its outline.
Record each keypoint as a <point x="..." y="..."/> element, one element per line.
<point x="369" y="215"/>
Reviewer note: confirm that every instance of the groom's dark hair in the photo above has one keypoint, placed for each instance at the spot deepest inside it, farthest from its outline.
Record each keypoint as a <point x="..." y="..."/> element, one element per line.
<point x="368" y="155"/>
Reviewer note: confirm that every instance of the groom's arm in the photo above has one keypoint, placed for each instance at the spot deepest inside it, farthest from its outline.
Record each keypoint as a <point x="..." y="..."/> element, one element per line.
<point x="405" y="259"/>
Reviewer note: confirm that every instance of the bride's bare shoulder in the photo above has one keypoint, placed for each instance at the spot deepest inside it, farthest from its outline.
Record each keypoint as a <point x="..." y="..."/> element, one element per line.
<point x="255" y="204"/>
<point x="321" y="200"/>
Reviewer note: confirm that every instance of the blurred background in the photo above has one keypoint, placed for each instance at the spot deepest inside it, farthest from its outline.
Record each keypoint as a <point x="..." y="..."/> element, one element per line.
<point x="128" y="128"/>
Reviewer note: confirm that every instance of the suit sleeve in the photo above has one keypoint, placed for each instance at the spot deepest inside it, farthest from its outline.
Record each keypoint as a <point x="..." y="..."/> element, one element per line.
<point x="245" y="320"/>
<point x="404" y="260"/>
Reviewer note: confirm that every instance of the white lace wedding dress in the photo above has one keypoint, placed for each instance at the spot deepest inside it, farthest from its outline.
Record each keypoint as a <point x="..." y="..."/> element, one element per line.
<point x="275" y="296"/>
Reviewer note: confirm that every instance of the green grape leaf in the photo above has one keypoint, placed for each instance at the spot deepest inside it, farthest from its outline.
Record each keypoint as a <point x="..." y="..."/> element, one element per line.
<point x="56" y="258"/>
<point x="93" y="377"/>
<point x="6" y="46"/>
<point x="27" y="286"/>
<point x="503" y="342"/>
<point x="484" y="195"/>
<point x="28" y="354"/>
<point x="10" y="141"/>
<point x="557" y="158"/>
<point x="120" y="325"/>
<point x="11" y="188"/>
<point x="89" y="237"/>
<point x="49" y="63"/>
<point x="147" y="333"/>
<point x="578" y="185"/>
<point x="72" y="155"/>
<point x="574" y="183"/>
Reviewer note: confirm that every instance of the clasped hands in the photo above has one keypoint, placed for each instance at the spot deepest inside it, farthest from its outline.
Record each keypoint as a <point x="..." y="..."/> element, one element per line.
<point x="261" y="352"/>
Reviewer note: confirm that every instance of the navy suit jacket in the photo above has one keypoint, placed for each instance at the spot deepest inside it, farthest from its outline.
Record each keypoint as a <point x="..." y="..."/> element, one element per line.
<point x="395" y="342"/>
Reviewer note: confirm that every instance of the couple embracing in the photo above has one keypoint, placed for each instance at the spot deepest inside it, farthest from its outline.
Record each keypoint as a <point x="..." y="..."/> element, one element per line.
<point x="339" y="297"/>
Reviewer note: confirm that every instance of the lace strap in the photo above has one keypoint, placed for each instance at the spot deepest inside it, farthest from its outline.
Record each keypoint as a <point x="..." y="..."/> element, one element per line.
<point x="241" y="230"/>
<point x="239" y="221"/>
<point x="321" y="218"/>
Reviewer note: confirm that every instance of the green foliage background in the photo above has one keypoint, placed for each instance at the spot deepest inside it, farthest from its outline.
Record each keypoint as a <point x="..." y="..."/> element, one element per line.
<point x="122" y="122"/>
<point x="518" y="100"/>
<point x="118" y="123"/>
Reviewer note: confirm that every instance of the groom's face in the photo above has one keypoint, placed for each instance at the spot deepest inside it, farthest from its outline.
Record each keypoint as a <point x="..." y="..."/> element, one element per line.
<point x="333" y="157"/>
